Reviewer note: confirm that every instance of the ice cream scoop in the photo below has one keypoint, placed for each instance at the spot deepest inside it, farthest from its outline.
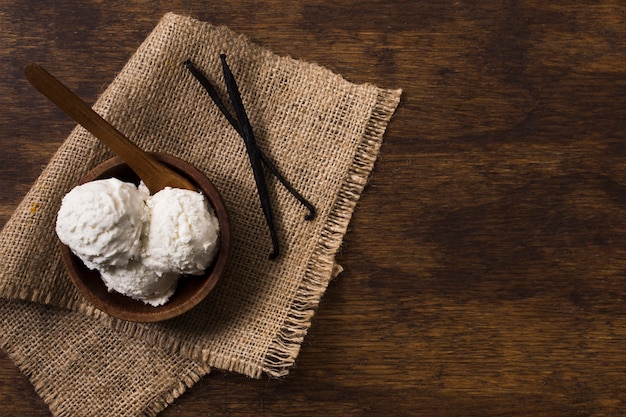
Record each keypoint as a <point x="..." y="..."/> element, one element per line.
<point x="181" y="234"/>
<point x="139" y="282"/>
<point x="102" y="222"/>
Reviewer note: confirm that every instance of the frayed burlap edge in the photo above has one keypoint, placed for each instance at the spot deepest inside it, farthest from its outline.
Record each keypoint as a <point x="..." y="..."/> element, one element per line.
<point x="321" y="268"/>
<point x="168" y="397"/>
<point x="158" y="403"/>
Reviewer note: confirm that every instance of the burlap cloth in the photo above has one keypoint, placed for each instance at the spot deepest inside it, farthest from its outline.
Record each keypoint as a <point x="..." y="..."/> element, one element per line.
<point x="321" y="131"/>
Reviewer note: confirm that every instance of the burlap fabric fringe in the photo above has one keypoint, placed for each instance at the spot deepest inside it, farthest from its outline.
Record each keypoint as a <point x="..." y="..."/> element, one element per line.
<point x="321" y="131"/>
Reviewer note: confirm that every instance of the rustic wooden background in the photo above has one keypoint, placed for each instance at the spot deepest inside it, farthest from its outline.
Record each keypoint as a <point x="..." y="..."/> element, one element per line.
<point x="485" y="264"/>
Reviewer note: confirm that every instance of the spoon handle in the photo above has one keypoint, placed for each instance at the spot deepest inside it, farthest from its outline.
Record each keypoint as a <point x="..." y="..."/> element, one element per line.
<point x="155" y="175"/>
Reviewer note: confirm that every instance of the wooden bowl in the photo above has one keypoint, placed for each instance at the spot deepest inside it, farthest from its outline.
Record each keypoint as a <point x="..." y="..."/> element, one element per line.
<point x="190" y="291"/>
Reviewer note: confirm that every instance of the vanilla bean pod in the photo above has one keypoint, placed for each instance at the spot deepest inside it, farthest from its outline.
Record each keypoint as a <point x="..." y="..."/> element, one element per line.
<point x="253" y="152"/>
<point x="235" y="124"/>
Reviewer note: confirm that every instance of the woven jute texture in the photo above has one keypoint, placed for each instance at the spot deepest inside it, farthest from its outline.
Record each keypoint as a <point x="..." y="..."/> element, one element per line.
<point x="322" y="132"/>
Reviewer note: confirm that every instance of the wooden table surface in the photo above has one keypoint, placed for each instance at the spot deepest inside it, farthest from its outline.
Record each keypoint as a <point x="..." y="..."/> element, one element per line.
<point x="485" y="266"/>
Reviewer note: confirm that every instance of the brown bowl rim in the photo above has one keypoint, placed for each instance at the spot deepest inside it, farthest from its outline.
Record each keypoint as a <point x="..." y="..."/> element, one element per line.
<point x="189" y="292"/>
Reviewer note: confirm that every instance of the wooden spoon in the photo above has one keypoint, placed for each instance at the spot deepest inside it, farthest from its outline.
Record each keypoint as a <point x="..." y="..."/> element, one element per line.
<point x="155" y="175"/>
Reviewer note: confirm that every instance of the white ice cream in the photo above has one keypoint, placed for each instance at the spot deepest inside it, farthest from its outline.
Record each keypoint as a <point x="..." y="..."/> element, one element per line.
<point x="181" y="234"/>
<point x="102" y="221"/>
<point x="139" y="243"/>
<point x="141" y="283"/>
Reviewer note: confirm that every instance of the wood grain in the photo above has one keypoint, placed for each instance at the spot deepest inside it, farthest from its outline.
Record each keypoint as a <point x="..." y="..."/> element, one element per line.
<point x="484" y="266"/>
